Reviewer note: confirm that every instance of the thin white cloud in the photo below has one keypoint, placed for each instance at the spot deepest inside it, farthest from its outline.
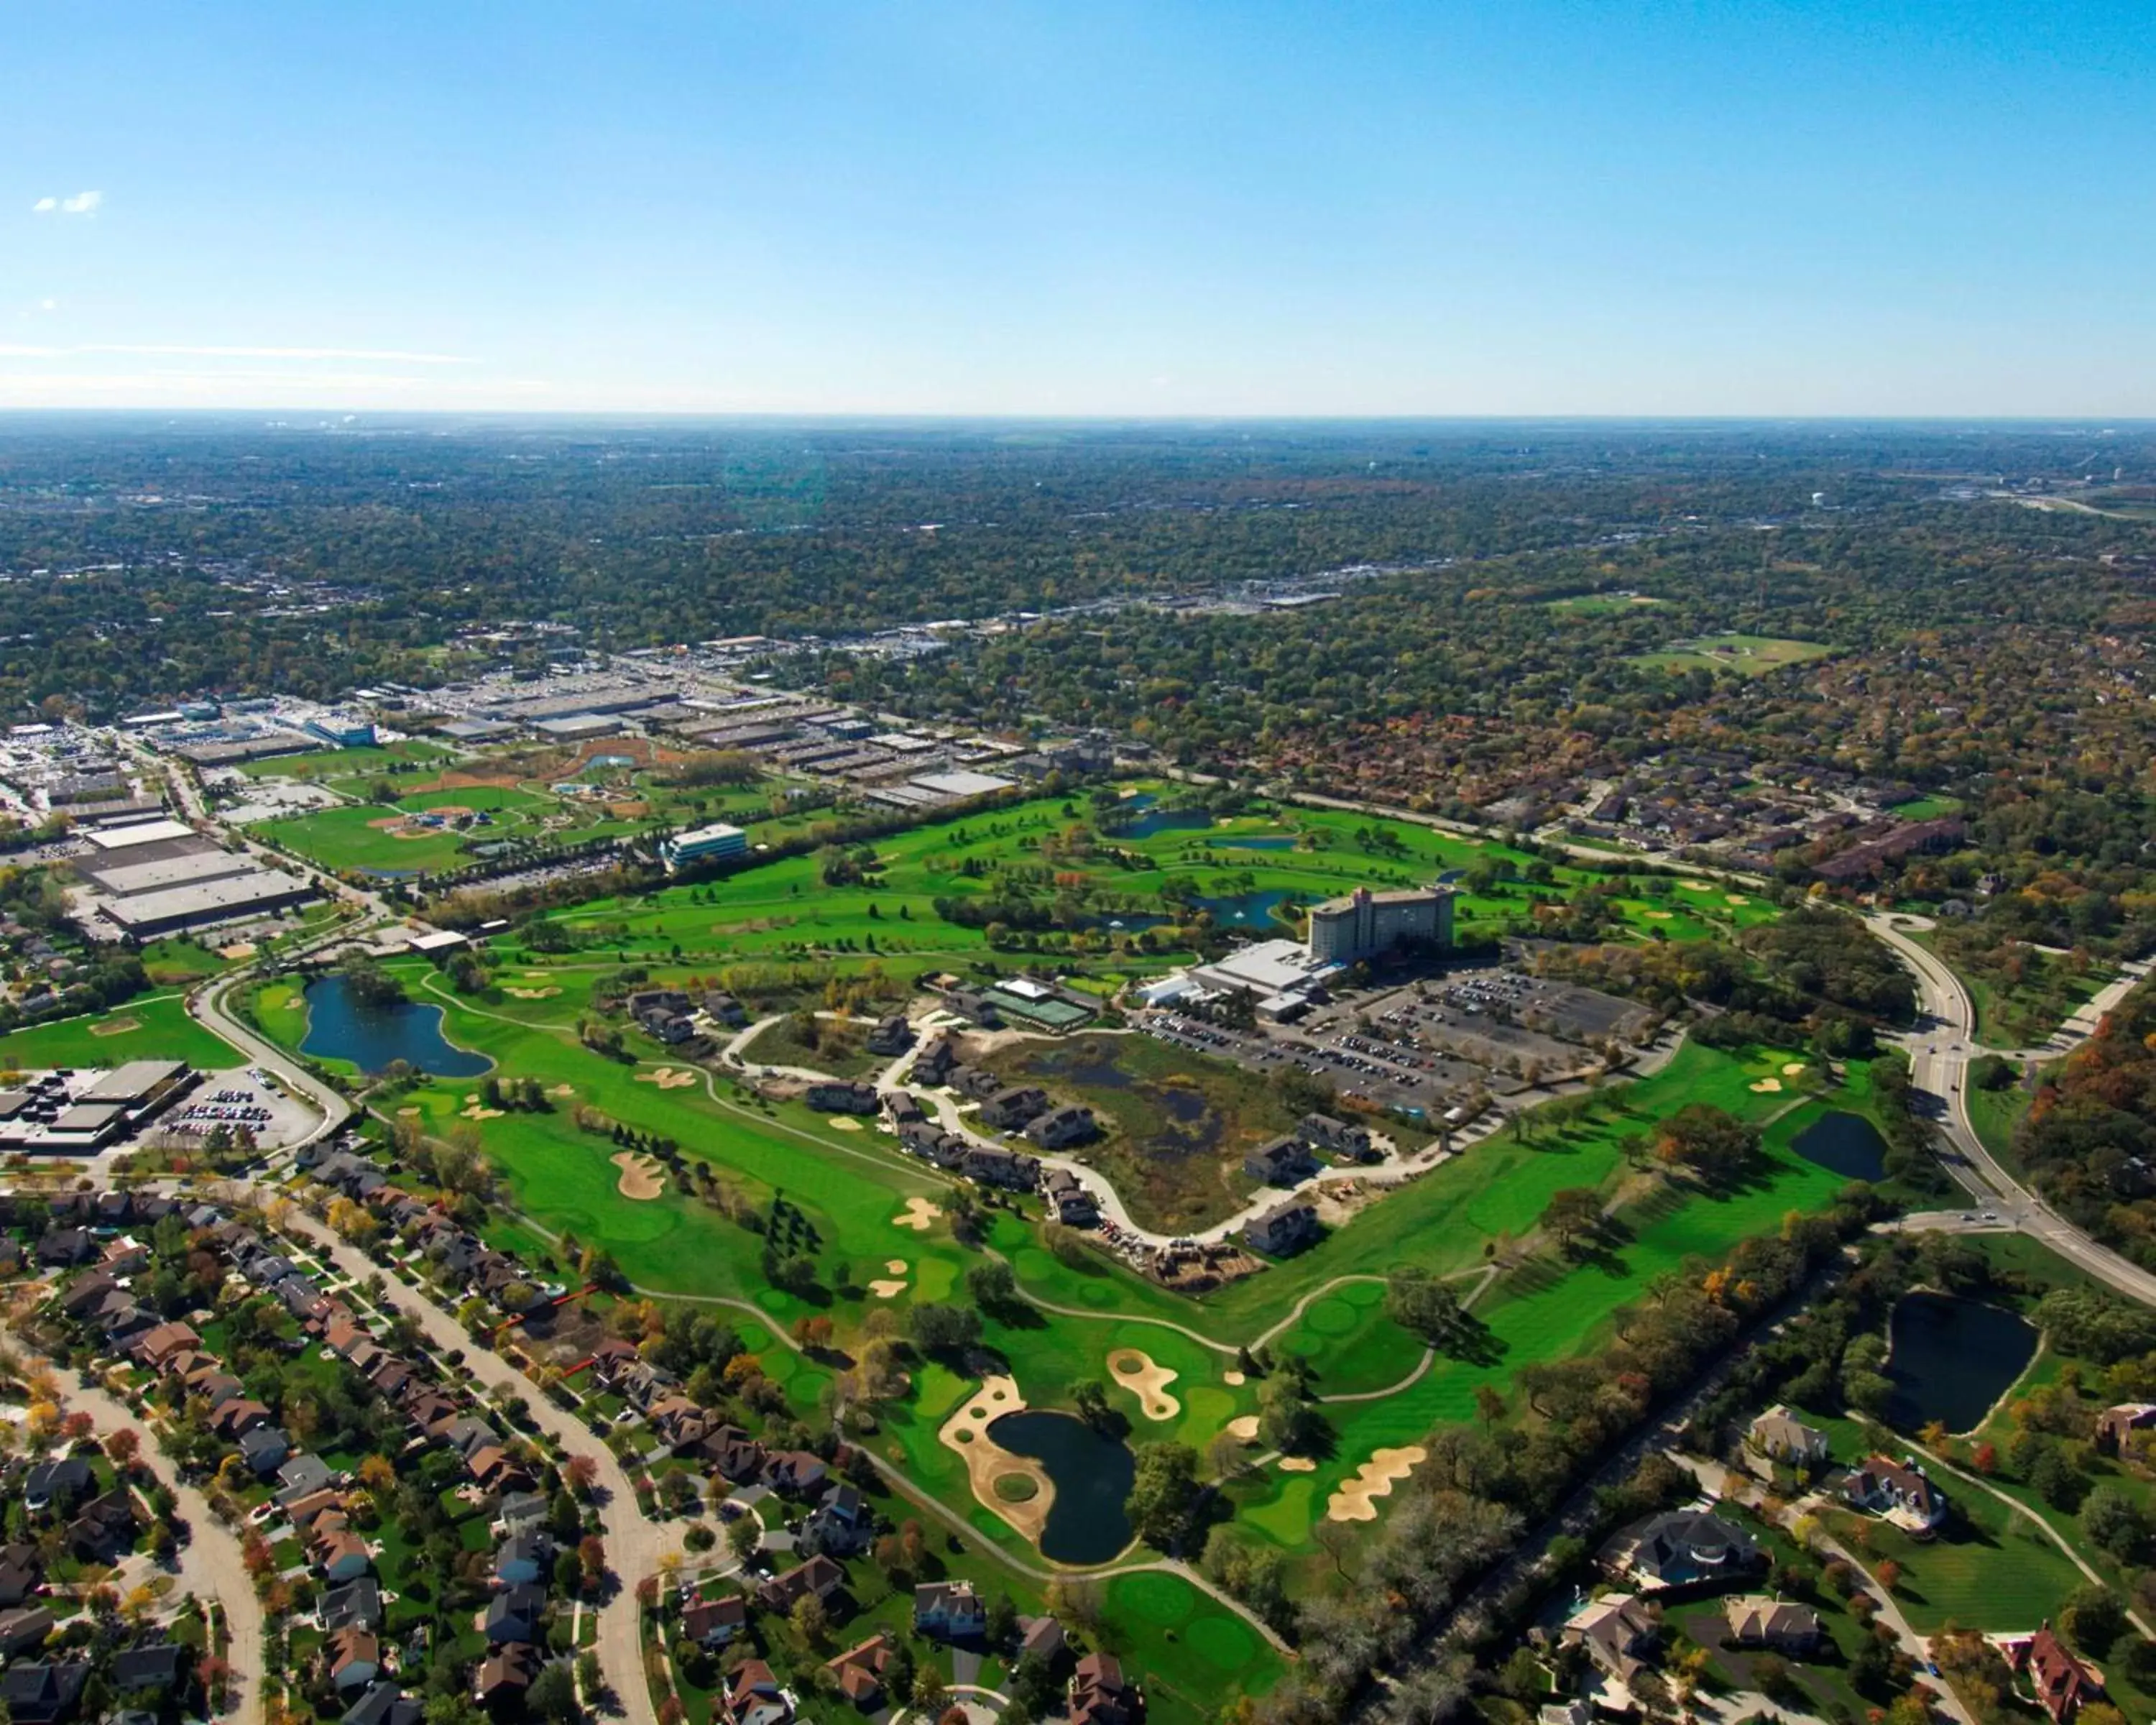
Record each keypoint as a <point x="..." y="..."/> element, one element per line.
<point x="163" y="350"/>
<point x="81" y="203"/>
<point x="45" y="206"/>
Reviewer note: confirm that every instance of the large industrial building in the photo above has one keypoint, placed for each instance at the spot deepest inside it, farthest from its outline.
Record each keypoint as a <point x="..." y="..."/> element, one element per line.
<point x="160" y="877"/>
<point x="85" y="1111"/>
<point x="1364" y="924"/>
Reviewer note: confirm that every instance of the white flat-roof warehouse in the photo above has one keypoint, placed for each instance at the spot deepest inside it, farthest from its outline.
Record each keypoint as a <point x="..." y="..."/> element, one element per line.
<point x="256" y="893"/>
<point x="132" y="879"/>
<point x="147" y="832"/>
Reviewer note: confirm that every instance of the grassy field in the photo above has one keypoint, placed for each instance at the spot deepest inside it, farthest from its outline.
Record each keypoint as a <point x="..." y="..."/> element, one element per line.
<point x="1133" y="888"/>
<point x="1602" y="604"/>
<point x="1747" y="655"/>
<point x="346" y="763"/>
<point x="1174" y="1124"/>
<point x="354" y="835"/>
<point x="156" y="1027"/>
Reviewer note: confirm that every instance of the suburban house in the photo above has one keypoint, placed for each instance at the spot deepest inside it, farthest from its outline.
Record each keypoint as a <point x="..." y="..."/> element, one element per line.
<point x="105" y="1529"/>
<point x="834" y="1097"/>
<point x="1321" y="1131"/>
<point x="1897" y="1492"/>
<point x="1100" y="1695"/>
<point x="713" y="1623"/>
<point x="891" y="1036"/>
<point x="44" y="1693"/>
<point x="1280" y="1162"/>
<point x="1761" y="1621"/>
<point x="949" y="1610"/>
<point x="336" y="1551"/>
<point x="1059" y="1126"/>
<point x="992" y="1165"/>
<point x="795" y="1473"/>
<point x="1780" y="1436"/>
<point x="1011" y="1108"/>
<point x="353" y="1657"/>
<point x="841" y="1524"/>
<point x="516" y="1614"/>
<point x="859" y="1672"/>
<point x="819" y="1576"/>
<point x="1615" y="1631"/>
<point x="505" y="1676"/>
<point x="1074" y="1205"/>
<point x="2061" y="1683"/>
<point x="753" y="1697"/>
<point x="1286" y="1228"/>
<point x="357" y="1604"/>
<point x="1681" y="1548"/>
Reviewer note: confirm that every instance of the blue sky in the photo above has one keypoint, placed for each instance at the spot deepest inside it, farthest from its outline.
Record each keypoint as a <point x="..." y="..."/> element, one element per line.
<point x="1616" y="207"/>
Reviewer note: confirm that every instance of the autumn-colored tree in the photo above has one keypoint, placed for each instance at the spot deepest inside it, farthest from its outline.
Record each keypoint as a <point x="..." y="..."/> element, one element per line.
<point x="1985" y="1459"/>
<point x="1888" y="1574"/>
<point x="583" y="1473"/>
<point x="122" y="1447"/>
<point x="378" y="1473"/>
<point x="77" y="1427"/>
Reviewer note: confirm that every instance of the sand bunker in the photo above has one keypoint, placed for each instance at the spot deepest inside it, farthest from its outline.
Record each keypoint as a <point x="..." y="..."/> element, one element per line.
<point x="532" y="993"/>
<point x="1375" y="1478"/>
<point x="894" y="1267"/>
<point x="408" y="1113"/>
<point x="640" y="1178"/>
<point x="1297" y="1464"/>
<point x="116" y="1027"/>
<point x="1739" y="898"/>
<point x="1136" y="1371"/>
<point x="843" y="1123"/>
<point x="1767" y="1086"/>
<point x="563" y="1090"/>
<point x="1658" y="915"/>
<point x="1245" y="1428"/>
<point x="918" y="1213"/>
<point x="472" y="1111"/>
<point x="237" y="950"/>
<point x="966" y="1433"/>
<point x="1234" y="1380"/>
<point x="666" y="1077"/>
<point x="1694" y="886"/>
<point x="884" y="1289"/>
<point x="1793" y="1069"/>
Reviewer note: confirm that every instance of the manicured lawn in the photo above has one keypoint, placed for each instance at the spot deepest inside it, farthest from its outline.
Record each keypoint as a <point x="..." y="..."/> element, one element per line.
<point x="1990" y="1568"/>
<point x="339" y="763"/>
<point x="155" y="1027"/>
<point x="354" y="836"/>
<point x="1747" y="655"/>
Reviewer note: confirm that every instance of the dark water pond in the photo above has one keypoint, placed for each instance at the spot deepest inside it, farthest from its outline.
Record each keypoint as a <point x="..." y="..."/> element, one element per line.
<point x="1162" y="820"/>
<point x="1092" y="1478"/>
<point x="1846" y="1144"/>
<point x="1952" y="1358"/>
<point x="340" y="1029"/>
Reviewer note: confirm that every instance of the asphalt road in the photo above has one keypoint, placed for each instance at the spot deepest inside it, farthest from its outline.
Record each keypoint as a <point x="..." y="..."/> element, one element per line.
<point x="1941" y="1049"/>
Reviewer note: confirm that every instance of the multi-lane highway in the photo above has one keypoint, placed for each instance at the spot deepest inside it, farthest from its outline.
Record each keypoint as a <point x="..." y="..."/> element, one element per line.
<point x="1941" y="1049"/>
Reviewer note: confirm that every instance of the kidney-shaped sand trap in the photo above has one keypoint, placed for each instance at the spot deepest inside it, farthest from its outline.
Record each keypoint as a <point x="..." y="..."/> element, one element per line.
<point x="1375" y="1478"/>
<point x="1136" y="1372"/>
<point x="918" y="1213"/>
<point x="640" y="1177"/>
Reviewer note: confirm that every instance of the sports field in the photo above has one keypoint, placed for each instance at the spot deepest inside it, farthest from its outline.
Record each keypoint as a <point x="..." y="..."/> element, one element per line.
<point x="1747" y="655"/>
<point x="421" y="833"/>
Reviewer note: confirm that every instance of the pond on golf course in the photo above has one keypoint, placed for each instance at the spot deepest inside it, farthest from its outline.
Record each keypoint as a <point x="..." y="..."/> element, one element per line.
<point x="340" y="1029"/>
<point x="1092" y="1475"/>
<point x="1843" y="1143"/>
<point x="1950" y="1359"/>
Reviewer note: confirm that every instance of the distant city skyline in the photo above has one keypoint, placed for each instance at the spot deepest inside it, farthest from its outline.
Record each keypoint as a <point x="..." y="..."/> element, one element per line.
<point x="1266" y="210"/>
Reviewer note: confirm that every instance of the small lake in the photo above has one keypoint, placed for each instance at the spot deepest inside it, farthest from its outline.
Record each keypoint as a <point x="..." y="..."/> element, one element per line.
<point x="1246" y="909"/>
<point x="371" y="1037"/>
<point x="1951" y="1358"/>
<point x="1092" y="1478"/>
<point x="1162" y="820"/>
<point x="1843" y="1143"/>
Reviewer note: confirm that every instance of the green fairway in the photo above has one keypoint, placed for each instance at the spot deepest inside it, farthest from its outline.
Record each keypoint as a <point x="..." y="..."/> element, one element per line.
<point x="156" y="1027"/>
<point x="1746" y="655"/>
<point x="346" y="763"/>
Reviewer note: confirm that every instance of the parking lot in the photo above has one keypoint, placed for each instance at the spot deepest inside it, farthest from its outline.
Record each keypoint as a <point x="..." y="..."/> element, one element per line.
<point x="1426" y="1047"/>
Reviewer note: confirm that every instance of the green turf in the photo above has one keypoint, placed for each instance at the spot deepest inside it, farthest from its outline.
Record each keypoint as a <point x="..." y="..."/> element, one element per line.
<point x="1745" y="655"/>
<point x="162" y="1030"/>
